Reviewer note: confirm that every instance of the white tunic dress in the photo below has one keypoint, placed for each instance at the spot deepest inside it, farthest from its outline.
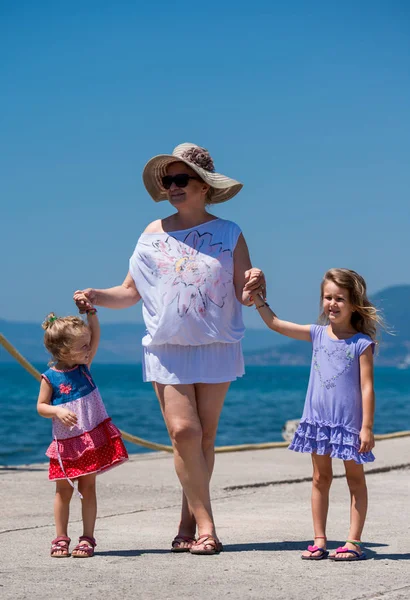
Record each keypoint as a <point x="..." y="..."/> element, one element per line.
<point x="193" y="318"/>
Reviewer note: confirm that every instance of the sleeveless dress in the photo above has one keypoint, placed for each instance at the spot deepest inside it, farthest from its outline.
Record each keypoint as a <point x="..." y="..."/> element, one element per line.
<point x="332" y="416"/>
<point x="193" y="318"/>
<point x="94" y="444"/>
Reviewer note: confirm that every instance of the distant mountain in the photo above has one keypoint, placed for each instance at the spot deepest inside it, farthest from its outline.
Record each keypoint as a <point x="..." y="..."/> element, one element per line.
<point x="394" y="350"/>
<point x="120" y="342"/>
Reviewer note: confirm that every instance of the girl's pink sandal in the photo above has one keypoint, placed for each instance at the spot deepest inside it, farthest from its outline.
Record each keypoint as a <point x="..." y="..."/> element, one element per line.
<point x="88" y="549"/>
<point x="354" y="555"/>
<point x="60" y="544"/>
<point x="211" y="545"/>
<point x="323" y="552"/>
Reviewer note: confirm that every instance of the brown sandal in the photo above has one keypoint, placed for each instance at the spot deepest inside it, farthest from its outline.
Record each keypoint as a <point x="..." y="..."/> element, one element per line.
<point x="88" y="549"/>
<point x="178" y="539"/>
<point x="211" y="545"/>
<point x="60" y="544"/>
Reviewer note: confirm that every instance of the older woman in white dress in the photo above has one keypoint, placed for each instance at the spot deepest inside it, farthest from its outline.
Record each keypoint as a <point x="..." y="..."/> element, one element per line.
<point x="193" y="273"/>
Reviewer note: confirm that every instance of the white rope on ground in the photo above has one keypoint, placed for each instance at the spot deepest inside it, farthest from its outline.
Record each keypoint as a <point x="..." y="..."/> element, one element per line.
<point x="163" y="447"/>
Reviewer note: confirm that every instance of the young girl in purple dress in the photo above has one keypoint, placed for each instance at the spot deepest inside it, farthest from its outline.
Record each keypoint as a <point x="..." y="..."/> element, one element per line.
<point x="337" y="420"/>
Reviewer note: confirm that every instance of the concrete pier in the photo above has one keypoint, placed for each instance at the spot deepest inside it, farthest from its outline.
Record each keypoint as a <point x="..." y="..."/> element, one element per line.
<point x="261" y="501"/>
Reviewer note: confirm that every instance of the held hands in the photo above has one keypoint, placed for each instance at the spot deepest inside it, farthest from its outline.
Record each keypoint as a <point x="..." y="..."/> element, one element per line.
<point x="366" y="439"/>
<point x="68" y="418"/>
<point x="255" y="284"/>
<point x="85" y="299"/>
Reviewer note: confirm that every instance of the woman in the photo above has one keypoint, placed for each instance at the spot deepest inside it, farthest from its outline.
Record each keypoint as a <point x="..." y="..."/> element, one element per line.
<point x="193" y="272"/>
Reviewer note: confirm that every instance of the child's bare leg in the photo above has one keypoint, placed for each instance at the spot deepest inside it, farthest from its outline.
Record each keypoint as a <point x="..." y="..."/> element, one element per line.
<point x="87" y="487"/>
<point x="358" y="508"/>
<point x="62" y="499"/>
<point x="322" y="480"/>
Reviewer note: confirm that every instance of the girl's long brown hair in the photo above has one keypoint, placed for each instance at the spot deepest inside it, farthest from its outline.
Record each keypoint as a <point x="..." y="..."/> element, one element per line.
<point x="366" y="317"/>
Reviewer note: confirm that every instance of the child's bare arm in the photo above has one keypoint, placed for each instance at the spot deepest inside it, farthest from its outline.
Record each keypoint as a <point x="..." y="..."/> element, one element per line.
<point x="293" y="330"/>
<point x="44" y="408"/>
<point x="368" y="399"/>
<point x="94" y="325"/>
<point x="48" y="411"/>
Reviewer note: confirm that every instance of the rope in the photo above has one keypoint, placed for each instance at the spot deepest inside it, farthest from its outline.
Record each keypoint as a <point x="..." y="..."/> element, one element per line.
<point x="163" y="447"/>
<point x="19" y="358"/>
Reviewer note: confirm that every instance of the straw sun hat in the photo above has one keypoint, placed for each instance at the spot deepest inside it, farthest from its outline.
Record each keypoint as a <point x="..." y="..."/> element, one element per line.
<point x="200" y="161"/>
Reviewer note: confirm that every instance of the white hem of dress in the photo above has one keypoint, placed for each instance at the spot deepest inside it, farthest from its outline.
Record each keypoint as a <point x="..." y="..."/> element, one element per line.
<point x="209" y="363"/>
<point x="189" y="381"/>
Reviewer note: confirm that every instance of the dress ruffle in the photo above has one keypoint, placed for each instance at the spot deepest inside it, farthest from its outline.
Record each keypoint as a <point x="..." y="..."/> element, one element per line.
<point x="334" y="440"/>
<point x="92" y="452"/>
<point x="95" y="460"/>
<point x="71" y="449"/>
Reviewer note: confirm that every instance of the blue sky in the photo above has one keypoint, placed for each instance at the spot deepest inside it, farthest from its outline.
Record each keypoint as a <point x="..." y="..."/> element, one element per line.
<point x="307" y="103"/>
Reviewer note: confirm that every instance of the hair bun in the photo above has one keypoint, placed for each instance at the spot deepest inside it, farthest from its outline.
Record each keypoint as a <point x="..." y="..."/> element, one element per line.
<point x="49" y="320"/>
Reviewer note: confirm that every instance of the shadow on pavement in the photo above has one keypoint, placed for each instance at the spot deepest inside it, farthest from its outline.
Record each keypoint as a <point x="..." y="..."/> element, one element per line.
<point x="376" y="556"/>
<point x="298" y="545"/>
<point x="136" y="552"/>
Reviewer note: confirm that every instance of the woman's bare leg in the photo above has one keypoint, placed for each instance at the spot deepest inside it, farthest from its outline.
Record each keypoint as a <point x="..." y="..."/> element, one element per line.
<point x="191" y="413"/>
<point x="210" y="399"/>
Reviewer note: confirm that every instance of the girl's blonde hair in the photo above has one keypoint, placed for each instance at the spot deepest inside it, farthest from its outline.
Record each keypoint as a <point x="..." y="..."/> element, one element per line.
<point x="60" y="334"/>
<point x="366" y="318"/>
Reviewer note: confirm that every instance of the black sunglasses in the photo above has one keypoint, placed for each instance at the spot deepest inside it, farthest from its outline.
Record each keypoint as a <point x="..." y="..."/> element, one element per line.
<point x="181" y="180"/>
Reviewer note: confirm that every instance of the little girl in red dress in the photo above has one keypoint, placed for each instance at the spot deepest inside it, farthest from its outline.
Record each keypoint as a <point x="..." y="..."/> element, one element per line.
<point x="85" y="442"/>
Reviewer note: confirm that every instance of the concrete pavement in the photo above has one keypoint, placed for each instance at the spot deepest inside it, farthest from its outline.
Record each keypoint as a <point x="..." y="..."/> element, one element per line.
<point x="261" y="501"/>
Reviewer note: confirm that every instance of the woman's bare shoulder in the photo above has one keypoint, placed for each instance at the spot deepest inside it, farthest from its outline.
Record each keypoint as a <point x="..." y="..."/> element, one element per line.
<point x="154" y="227"/>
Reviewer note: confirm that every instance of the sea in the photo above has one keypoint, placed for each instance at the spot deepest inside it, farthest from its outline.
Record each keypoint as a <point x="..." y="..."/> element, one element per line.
<point x="256" y="408"/>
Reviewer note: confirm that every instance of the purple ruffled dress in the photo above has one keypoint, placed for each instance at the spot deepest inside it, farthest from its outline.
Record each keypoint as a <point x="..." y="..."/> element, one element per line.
<point x="332" y="416"/>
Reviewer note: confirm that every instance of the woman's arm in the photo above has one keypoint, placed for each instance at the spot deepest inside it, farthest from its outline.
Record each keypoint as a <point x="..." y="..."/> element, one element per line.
<point x="293" y="330"/>
<point x="46" y="410"/>
<point x="120" y="296"/>
<point x="368" y="399"/>
<point x="245" y="279"/>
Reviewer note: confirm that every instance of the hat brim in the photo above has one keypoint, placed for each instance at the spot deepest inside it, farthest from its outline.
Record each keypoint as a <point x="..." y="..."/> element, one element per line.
<point x="224" y="187"/>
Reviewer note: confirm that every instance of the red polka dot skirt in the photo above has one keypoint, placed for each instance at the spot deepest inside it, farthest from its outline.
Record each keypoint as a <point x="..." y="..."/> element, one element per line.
<point x="92" y="452"/>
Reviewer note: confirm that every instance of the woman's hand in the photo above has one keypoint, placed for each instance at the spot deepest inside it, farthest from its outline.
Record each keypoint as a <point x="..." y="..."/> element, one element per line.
<point x="255" y="282"/>
<point x="68" y="418"/>
<point x="85" y="299"/>
<point x="251" y="298"/>
<point x="366" y="439"/>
